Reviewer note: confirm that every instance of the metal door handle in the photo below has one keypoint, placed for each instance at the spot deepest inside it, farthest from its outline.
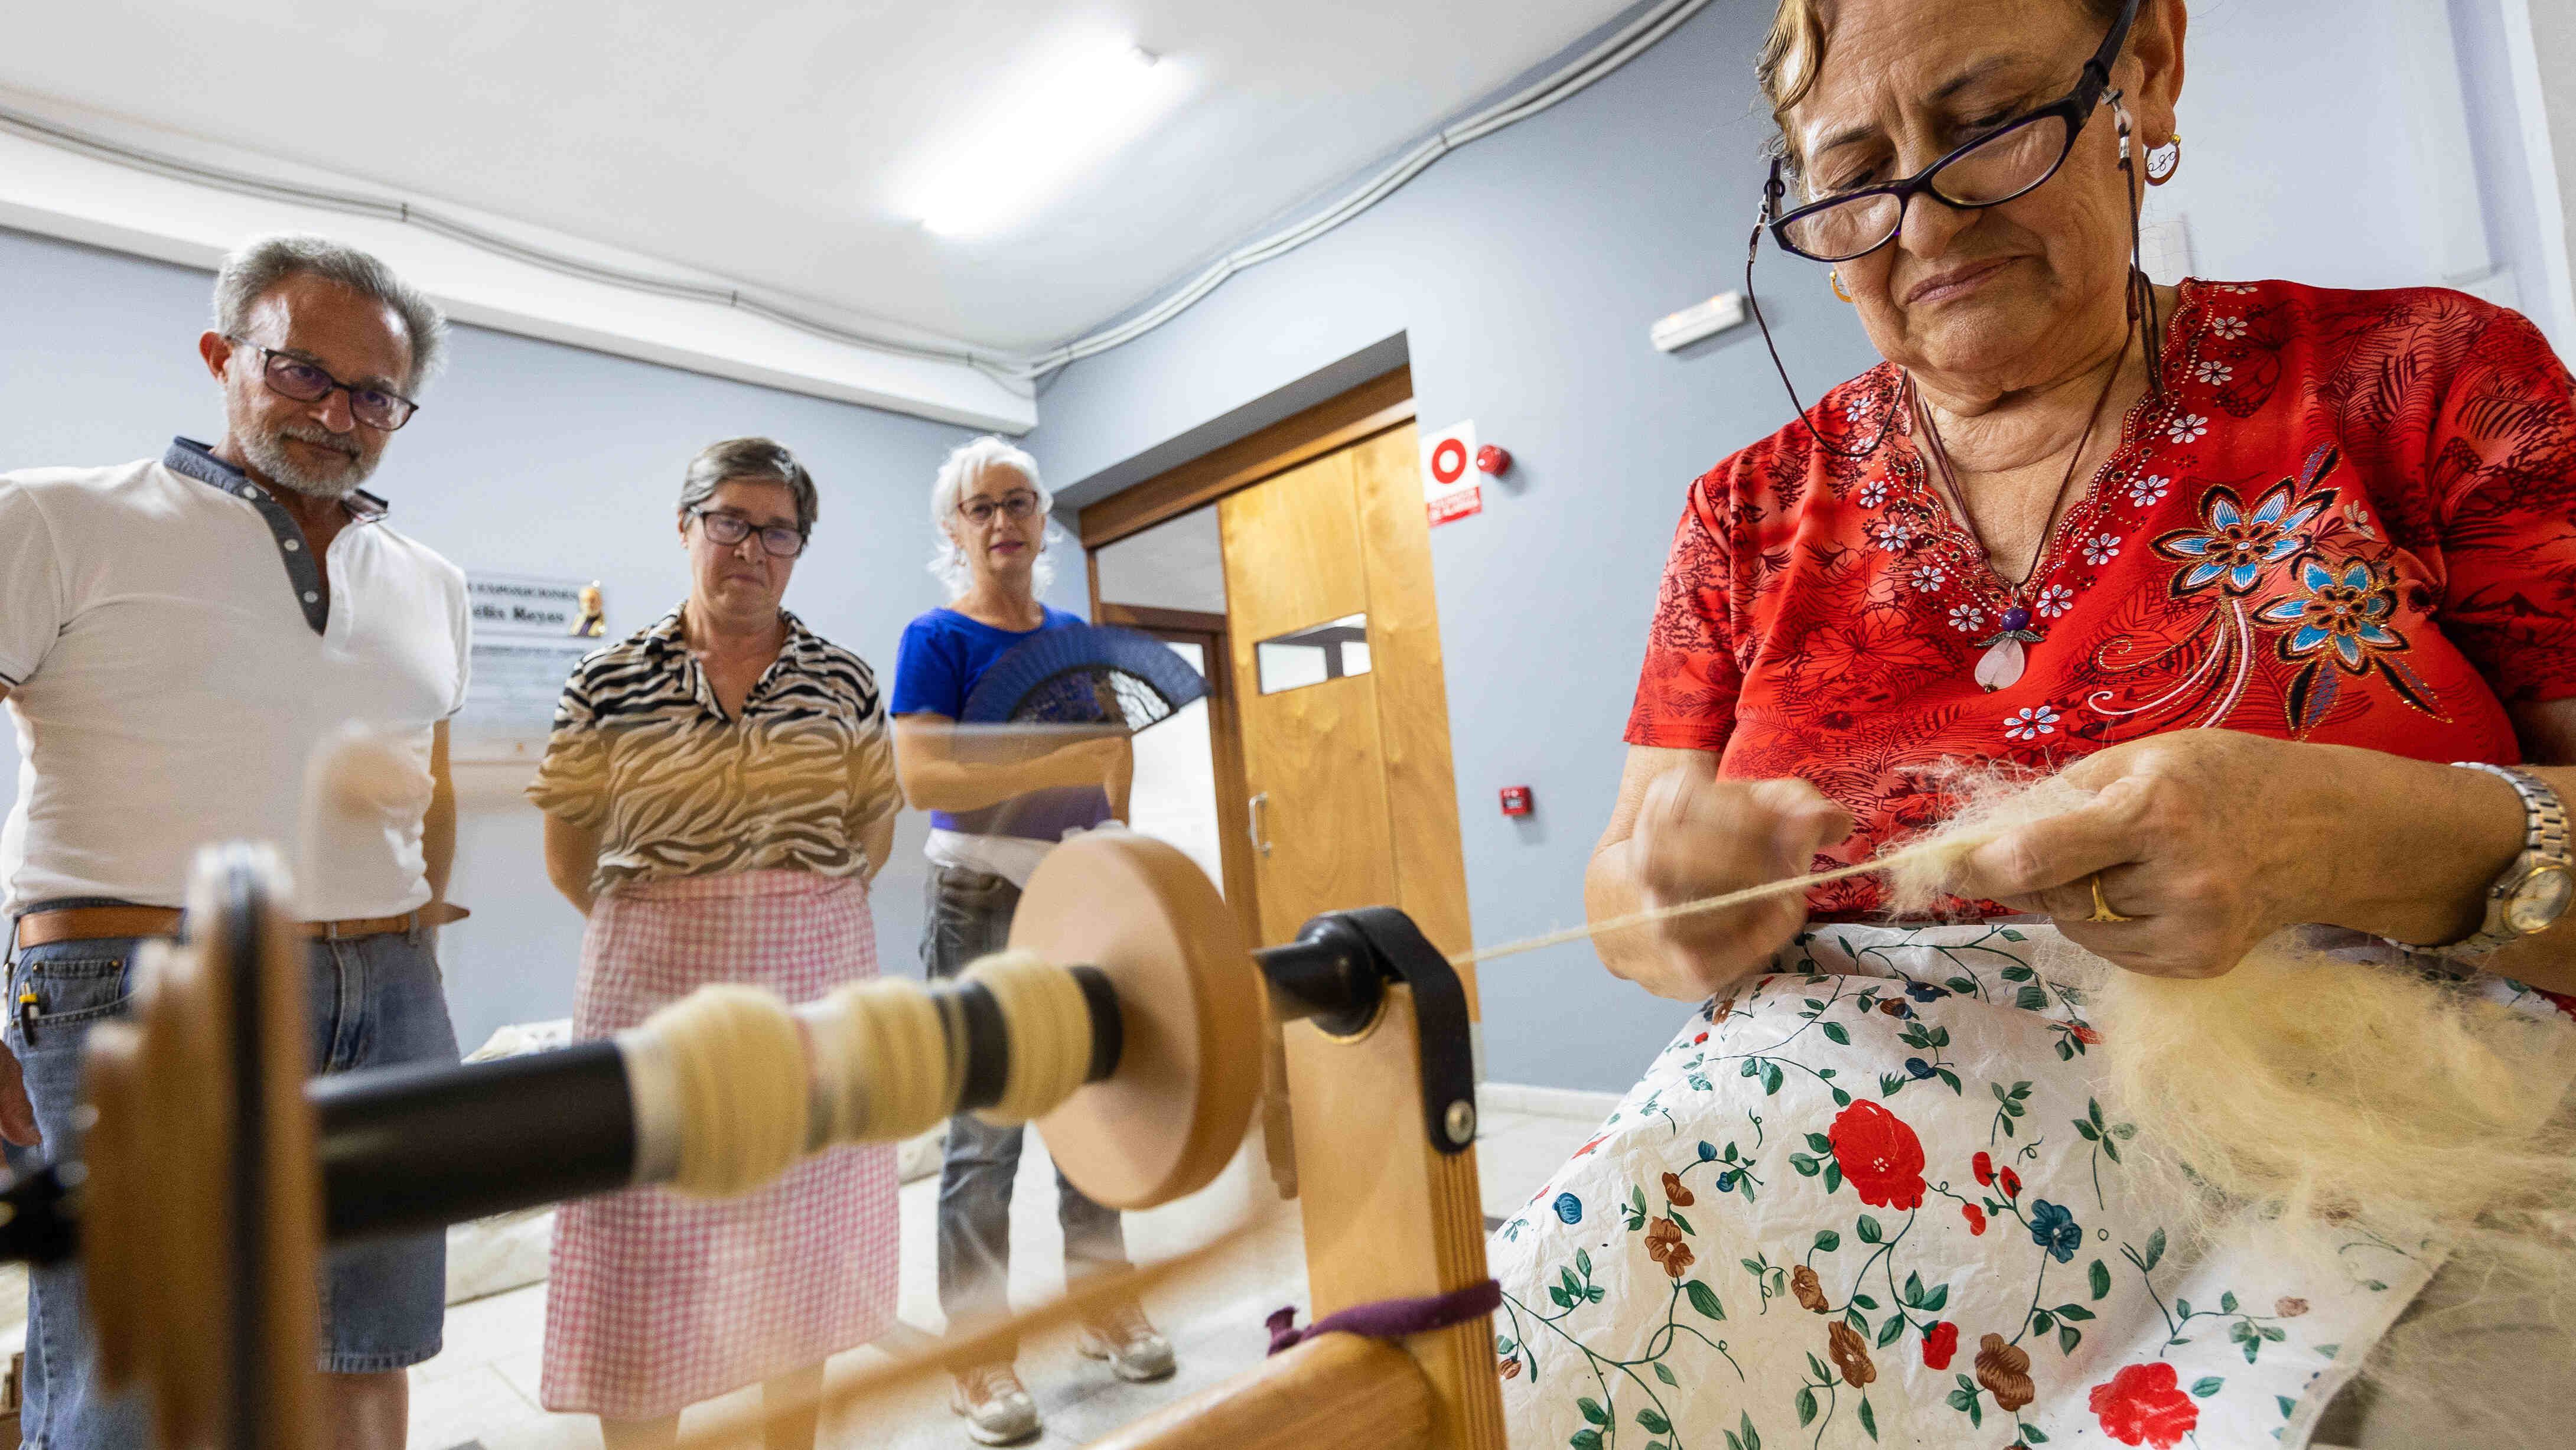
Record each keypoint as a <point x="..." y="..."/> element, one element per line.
<point x="1258" y="802"/>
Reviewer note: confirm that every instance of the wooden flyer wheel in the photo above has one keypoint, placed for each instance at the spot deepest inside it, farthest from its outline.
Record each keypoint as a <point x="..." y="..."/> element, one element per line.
<point x="1190" y="1004"/>
<point x="201" y="1209"/>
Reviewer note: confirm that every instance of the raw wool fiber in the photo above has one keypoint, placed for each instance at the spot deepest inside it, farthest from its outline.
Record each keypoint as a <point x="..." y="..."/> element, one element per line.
<point x="2369" y="1088"/>
<point x="2324" y="1094"/>
<point x="1991" y="802"/>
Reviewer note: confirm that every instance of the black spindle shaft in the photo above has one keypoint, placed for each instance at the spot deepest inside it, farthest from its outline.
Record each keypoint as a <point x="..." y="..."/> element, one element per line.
<point x="420" y="1146"/>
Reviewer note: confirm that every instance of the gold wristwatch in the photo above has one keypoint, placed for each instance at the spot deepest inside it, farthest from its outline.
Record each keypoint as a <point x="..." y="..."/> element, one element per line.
<point x="2535" y="889"/>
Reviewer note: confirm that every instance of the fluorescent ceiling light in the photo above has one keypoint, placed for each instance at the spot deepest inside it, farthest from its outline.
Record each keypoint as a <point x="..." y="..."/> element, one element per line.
<point x="1015" y="156"/>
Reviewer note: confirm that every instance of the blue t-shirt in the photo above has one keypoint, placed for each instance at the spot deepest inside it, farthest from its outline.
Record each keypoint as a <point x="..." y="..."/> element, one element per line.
<point x="942" y="655"/>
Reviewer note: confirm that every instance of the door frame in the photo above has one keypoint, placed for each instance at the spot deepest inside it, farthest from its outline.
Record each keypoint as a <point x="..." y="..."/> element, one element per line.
<point x="1383" y="402"/>
<point x="1225" y="737"/>
<point x="1343" y="421"/>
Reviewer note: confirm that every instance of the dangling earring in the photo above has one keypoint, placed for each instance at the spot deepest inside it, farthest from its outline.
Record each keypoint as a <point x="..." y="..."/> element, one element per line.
<point x="1835" y="278"/>
<point x="2163" y="161"/>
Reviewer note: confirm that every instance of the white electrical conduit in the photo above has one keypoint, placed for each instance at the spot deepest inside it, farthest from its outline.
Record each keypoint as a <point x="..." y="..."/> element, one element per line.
<point x="1631" y="41"/>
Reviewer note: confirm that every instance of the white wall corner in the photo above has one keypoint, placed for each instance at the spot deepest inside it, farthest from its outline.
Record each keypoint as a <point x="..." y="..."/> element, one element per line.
<point x="2541" y="39"/>
<point x="2454" y="215"/>
<point x="82" y="196"/>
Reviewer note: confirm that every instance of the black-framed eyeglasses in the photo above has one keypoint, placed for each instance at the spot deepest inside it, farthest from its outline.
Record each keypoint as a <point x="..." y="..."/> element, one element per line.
<point x="2012" y="160"/>
<point x="290" y="376"/>
<point x="2025" y="152"/>
<point x="778" y="541"/>
<point x="1015" y="506"/>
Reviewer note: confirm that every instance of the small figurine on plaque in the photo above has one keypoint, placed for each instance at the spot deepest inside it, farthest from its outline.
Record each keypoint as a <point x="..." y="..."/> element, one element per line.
<point x="594" y="613"/>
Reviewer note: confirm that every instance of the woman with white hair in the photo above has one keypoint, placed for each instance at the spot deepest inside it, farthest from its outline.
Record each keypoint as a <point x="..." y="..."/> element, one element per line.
<point x="993" y="818"/>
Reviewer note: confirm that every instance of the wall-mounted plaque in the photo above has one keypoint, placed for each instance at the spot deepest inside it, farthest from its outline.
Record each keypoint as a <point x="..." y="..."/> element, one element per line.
<point x="528" y="634"/>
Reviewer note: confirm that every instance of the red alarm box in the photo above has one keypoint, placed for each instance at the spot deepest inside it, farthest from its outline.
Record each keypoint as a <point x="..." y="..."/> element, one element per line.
<point x="1516" y="800"/>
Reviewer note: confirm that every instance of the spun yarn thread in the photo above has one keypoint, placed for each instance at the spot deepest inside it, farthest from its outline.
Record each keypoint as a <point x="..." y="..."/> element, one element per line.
<point x="1047" y="1023"/>
<point x="901" y="1078"/>
<point x="739" y="1061"/>
<point x="1930" y="859"/>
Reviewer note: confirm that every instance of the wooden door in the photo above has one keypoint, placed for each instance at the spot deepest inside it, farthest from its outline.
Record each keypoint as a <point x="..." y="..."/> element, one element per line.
<point x="1412" y="691"/>
<point x="1354" y="800"/>
<point x="1321" y="831"/>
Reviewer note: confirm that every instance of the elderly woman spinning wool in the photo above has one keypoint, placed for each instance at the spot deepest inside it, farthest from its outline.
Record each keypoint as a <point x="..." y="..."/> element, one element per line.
<point x="2250" y="565"/>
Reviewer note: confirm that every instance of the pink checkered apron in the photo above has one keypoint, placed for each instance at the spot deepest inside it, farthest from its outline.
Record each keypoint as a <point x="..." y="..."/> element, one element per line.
<point x="659" y="1301"/>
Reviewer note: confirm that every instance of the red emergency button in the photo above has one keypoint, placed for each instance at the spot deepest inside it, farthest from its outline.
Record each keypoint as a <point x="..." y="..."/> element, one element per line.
<point x="1516" y="800"/>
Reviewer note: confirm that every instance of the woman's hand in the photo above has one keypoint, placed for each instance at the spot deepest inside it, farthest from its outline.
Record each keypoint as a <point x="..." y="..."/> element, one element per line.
<point x="1689" y="835"/>
<point x="2211" y="840"/>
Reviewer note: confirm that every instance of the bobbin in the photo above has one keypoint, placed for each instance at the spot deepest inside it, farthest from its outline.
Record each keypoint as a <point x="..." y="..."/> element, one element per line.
<point x="1174" y="1019"/>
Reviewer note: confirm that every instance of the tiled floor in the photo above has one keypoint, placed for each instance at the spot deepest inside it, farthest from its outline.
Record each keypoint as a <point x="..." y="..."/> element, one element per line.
<point x="484" y="1387"/>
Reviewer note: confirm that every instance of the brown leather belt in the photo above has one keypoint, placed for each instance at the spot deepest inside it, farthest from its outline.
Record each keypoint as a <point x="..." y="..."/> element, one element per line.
<point x="97" y="923"/>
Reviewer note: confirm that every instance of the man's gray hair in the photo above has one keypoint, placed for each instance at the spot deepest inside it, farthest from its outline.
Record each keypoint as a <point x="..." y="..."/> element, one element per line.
<point x="965" y="464"/>
<point x="262" y="263"/>
<point x="758" y="459"/>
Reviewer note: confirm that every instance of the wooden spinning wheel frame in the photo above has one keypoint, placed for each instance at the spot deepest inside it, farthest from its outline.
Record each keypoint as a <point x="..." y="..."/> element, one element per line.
<point x="201" y="1214"/>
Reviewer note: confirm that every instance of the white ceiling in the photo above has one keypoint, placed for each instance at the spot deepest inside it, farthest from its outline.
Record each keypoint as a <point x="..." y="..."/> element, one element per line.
<point x="765" y="140"/>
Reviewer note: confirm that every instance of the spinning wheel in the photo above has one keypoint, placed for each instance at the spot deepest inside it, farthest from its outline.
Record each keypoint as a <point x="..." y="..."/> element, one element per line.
<point x="1189" y="1020"/>
<point x="1128" y="1018"/>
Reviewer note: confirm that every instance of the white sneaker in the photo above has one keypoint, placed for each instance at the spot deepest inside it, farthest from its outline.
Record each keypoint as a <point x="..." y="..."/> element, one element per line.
<point x="996" y="1405"/>
<point x="1123" y="1337"/>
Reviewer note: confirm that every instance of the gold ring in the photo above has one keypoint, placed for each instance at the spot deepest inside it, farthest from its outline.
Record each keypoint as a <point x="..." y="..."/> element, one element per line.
<point x="2102" y="909"/>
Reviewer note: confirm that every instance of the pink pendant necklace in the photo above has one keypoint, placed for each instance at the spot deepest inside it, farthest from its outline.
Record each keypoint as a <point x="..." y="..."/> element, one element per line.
<point x="2005" y="658"/>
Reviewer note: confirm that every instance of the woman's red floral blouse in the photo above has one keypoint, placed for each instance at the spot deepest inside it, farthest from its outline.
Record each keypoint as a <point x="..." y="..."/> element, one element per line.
<point x="2350" y="517"/>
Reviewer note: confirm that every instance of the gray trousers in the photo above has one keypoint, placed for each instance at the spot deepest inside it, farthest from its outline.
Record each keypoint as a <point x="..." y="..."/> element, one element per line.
<point x="969" y="916"/>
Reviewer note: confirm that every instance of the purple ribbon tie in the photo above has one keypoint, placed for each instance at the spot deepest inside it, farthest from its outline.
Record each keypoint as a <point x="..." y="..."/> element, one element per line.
<point x="1392" y="1318"/>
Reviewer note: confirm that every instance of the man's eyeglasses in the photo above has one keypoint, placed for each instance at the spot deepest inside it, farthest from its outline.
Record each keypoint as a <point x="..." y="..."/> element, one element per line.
<point x="778" y="541"/>
<point x="1014" y="506"/>
<point x="2012" y="160"/>
<point x="290" y="376"/>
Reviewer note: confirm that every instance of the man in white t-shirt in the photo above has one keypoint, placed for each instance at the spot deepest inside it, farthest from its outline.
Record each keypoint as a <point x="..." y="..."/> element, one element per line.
<point x="176" y="636"/>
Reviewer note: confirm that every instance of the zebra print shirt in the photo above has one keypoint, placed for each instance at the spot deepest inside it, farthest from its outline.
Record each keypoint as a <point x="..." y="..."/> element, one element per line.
<point x="642" y="753"/>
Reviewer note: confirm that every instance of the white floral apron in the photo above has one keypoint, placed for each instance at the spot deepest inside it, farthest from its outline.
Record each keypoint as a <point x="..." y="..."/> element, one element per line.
<point x="1872" y="1200"/>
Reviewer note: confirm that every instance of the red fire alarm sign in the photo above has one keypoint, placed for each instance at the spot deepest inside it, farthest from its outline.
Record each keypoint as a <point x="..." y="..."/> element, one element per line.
<point x="1449" y="490"/>
<point x="1516" y="800"/>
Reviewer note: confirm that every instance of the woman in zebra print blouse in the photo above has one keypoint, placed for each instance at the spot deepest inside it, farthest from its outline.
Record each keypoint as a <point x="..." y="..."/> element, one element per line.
<point x="719" y="789"/>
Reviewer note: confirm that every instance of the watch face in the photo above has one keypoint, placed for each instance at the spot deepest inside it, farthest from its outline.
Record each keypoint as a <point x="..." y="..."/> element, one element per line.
<point x="2540" y="900"/>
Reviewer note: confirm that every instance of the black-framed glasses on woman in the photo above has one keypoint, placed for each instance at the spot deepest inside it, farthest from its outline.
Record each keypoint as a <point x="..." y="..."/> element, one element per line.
<point x="778" y="541"/>
<point x="2014" y="159"/>
<point x="1016" y="506"/>
<point x="290" y="376"/>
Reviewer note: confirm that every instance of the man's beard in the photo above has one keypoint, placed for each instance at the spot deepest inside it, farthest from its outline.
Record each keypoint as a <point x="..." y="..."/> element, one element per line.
<point x="267" y="452"/>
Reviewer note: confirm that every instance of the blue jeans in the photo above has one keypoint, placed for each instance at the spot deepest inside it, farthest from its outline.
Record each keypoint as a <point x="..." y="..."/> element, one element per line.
<point x="970" y="917"/>
<point x="375" y="1000"/>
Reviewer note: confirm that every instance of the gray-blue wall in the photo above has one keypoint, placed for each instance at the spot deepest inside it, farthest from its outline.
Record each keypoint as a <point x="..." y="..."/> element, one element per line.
<point x="1521" y="273"/>
<point x="527" y="457"/>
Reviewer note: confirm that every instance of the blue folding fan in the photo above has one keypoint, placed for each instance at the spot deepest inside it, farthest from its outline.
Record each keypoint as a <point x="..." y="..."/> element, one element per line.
<point x="1085" y="675"/>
